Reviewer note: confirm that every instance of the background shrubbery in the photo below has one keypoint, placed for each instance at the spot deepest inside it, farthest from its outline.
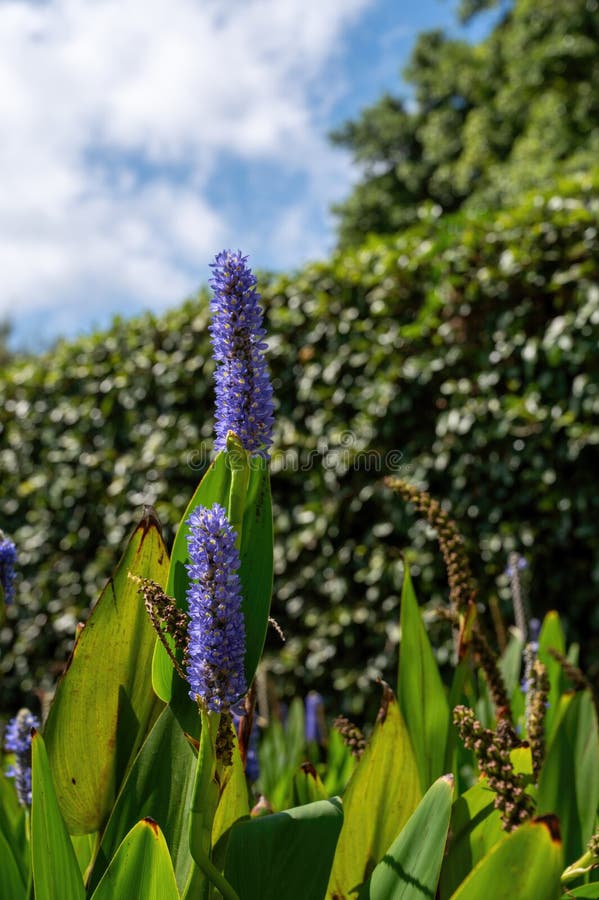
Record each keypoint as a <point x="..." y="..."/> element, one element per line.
<point x="463" y="352"/>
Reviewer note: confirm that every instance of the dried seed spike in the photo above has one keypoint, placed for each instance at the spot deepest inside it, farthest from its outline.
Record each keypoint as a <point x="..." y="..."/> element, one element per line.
<point x="492" y="751"/>
<point x="165" y="617"/>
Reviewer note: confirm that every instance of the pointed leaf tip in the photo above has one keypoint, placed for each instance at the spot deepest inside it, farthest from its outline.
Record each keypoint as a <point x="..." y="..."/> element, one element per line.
<point x="148" y="820"/>
<point x="386" y="700"/>
<point x="551" y="823"/>
<point x="150" y="519"/>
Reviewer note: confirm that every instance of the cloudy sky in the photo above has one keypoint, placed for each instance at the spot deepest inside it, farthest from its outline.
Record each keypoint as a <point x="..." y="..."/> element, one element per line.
<point x="139" y="137"/>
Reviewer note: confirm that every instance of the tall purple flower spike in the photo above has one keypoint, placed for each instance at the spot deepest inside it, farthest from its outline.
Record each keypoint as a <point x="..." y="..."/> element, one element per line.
<point x="8" y="558"/>
<point x="244" y="401"/>
<point x="216" y="649"/>
<point x="17" y="740"/>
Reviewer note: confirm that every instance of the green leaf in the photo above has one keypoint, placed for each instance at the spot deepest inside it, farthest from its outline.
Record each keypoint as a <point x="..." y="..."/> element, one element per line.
<point x="12" y="884"/>
<point x="458" y="759"/>
<point x="234" y="802"/>
<point x="586" y="892"/>
<point x="569" y="778"/>
<point x="13" y="827"/>
<point x="526" y="863"/>
<point x="382" y="794"/>
<point x="206" y="794"/>
<point x="552" y="635"/>
<point x="256" y="557"/>
<point x="340" y="764"/>
<point x="409" y="870"/>
<point x="256" y="572"/>
<point x="141" y="867"/>
<point x="104" y="703"/>
<point x="288" y="854"/>
<point x="307" y="785"/>
<point x="158" y="786"/>
<point x="510" y="666"/>
<point x="421" y="694"/>
<point x="56" y="873"/>
<point x="475" y="828"/>
<point x="84" y="846"/>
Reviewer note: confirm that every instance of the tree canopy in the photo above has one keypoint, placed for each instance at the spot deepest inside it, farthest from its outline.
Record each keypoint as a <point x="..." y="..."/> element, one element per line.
<point x="485" y="121"/>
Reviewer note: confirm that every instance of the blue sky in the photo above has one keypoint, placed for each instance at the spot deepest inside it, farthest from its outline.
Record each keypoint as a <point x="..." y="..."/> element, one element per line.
<point x="139" y="137"/>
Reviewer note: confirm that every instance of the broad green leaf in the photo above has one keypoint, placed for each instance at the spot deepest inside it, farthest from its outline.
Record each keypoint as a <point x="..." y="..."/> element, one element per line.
<point x="104" y="703"/>
<point x="586" y="892"/>
<point x="158" y="786"/>
<point x="527" y="863"/>
<point x="12" y="884"/>
<point x="141" y="868"/>
<point x="421" y="694"/>
<point x="285" y="855"/>
<point x="475" y="829"/>
<point x="569" y="778"/>
<point x="382" y="794"/>
<point x="552" y="635"/>
<point x="256" y="557"/>
<point x="409" y="870"/>
<point x="56" y="873"/>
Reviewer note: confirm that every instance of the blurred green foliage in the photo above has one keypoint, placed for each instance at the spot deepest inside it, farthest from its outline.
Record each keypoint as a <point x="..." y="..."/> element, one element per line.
<point x="462" y="353"/>
<point x="484" y="121"/>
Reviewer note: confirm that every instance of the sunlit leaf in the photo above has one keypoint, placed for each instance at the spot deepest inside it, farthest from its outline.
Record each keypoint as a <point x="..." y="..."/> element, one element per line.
<point x="158" y="786"/>
<point x="421" y="695"/>
<point x="141" y="867"/>
<point x="552" y="636"/>
<point x="104" y="704"/>
<point x="409" y="870"/>
<point x="382" y="794"/>
<point x="524" y="864"/>
<point x="569" y="778"/>
<point x="56" y="873"/>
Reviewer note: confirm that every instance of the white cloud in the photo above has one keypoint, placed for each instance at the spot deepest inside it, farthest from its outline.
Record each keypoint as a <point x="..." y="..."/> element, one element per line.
<point x="116" y="117"/>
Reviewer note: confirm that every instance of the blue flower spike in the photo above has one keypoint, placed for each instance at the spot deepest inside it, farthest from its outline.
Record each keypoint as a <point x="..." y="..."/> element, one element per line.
<point x="244" y="398"/>
<point x="216" y="649"/>
<point x="17" y="740"/>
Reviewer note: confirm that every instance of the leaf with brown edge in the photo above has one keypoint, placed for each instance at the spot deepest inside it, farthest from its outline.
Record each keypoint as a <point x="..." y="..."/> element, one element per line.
<point x="141" y="867"/>
<point x="381" y="795"/>
<point x="526" y="863"/>
<point x="104" y="703"/>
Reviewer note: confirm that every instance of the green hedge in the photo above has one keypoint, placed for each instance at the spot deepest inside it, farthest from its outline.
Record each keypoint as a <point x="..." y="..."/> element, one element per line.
<point x="462" y="353"/>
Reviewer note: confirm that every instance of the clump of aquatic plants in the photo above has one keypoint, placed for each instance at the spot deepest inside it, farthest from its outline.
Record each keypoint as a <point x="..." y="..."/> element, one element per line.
<point x="160" y="773"/>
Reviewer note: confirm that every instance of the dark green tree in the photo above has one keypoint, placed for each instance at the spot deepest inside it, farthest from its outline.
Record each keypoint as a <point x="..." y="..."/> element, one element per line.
<point x="486" y="122"/>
